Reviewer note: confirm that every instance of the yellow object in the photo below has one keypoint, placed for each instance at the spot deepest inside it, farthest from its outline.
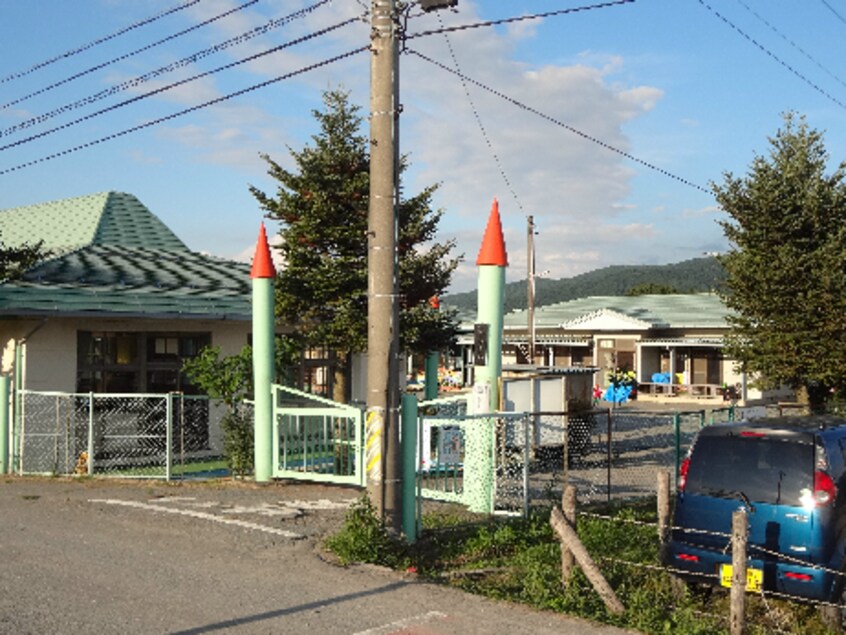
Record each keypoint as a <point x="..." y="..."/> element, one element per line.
<point x="754" y="578"/>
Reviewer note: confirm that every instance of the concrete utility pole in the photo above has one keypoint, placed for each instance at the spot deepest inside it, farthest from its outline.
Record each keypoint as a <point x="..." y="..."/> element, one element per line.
<point x="530" y="286"/>
<point x="383" y="455"/>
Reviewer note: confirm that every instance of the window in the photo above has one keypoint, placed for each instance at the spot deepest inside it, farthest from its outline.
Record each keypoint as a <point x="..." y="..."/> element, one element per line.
<point x="131" y="362"/>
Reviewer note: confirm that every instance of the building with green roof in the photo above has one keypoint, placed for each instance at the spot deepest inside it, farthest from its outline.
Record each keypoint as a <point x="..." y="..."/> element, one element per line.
<point x="118" y="303"/>
<point x="672" y="343"/>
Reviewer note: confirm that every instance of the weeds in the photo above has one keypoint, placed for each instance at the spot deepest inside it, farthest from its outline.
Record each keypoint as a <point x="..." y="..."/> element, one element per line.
<point x="365" y="539"/>
<point x="520" y="560"/>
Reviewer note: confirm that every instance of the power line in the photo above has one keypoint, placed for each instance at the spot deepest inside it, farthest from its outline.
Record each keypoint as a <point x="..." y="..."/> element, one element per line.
<point x="479" y="122"/>
<point x="772" y="55"/>
<point x="128" y="55"/>
<point x="793" y="44"/>
<point x="534" y="16"/>
<point x="832" y="9"/>
<point x="206" y="104"/>
<point x="162" y="89"/>
<point x="163" y="70"/>
<point x="561" y="124"/>
<point x="85" y="47"/>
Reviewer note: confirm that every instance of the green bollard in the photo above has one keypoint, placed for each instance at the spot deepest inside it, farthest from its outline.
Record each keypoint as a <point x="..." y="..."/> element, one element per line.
<point x="409" y="467"/>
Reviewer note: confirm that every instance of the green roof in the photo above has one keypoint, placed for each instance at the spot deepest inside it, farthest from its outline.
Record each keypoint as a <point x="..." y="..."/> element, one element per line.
<point x="110" y="255"/>
<point x="695" y="310"/>
<point x="108" y="218"/>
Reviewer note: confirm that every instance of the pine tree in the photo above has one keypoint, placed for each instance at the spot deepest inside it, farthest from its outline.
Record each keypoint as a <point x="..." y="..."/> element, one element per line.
<point x="323" y="208"/>
<point x="16" y="260"/>
<point x="786" y="281"/>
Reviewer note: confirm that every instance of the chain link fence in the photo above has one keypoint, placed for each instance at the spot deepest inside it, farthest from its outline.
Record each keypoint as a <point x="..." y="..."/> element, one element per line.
<point x="127" y="435"/>
<point x="607" y="454"/>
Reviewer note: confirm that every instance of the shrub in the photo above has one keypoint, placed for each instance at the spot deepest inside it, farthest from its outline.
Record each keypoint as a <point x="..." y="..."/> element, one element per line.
<point x="365" y="538"/>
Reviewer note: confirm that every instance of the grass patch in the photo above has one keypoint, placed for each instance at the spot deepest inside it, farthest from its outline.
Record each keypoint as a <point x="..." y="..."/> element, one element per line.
<point x="519" y="560"/>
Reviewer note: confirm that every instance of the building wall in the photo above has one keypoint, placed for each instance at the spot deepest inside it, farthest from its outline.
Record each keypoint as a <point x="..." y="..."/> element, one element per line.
<point x="50" y="355"/>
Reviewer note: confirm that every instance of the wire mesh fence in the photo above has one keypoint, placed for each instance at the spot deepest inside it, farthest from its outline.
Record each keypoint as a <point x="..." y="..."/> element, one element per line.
<point x="128" y="435"/>
<point x="608" y="455"/>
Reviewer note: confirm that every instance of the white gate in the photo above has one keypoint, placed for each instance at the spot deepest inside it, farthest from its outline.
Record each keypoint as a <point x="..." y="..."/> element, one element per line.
<point x="316" y="439"/>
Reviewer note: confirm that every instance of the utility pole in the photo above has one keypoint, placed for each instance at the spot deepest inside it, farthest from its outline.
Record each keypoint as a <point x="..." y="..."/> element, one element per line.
<point x="383" y="454"/>
<point x="530" y="285"/>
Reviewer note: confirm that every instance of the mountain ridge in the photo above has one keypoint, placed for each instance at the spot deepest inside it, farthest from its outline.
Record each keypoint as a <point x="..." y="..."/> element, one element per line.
<point x="689" y="276"/>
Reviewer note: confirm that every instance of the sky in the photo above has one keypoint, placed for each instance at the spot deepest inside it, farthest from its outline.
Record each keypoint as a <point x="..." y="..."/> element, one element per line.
<point x="607" y="122"/>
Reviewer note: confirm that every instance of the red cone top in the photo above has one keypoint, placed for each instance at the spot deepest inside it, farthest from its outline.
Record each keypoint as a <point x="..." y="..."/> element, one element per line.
<point x="262" y="262"/>
<point x="492" y="251"/>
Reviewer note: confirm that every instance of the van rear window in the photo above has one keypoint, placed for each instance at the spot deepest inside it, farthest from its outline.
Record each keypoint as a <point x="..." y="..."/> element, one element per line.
<point x="766" y="470"/>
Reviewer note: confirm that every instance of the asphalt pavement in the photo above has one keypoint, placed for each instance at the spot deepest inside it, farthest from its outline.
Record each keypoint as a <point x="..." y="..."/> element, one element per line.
<point x="100" y="556"/>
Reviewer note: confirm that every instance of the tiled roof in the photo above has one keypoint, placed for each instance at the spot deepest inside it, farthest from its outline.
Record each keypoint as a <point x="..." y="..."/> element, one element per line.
<point x="696" y="310"/>
<point x="112" y="256"/>
<point x="108" y="218"/>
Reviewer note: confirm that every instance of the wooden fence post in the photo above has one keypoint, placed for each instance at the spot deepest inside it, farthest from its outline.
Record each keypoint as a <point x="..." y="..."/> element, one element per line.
<point x="663" y="507"/>
<point x="568" y="507"/>
<point x="568" y="536"/>
<point x="739" y="535"/>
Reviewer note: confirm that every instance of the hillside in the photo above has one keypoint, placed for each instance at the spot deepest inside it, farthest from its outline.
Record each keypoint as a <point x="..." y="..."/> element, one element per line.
<point x="689" y="276"/>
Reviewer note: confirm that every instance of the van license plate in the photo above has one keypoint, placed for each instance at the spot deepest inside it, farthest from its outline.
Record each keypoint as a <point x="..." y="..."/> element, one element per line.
<point x="754" y="577"/>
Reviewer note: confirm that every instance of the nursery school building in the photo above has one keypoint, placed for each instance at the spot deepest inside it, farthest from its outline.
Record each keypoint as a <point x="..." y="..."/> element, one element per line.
<point x="671" y="344"/>
<point x="119" y="303"/>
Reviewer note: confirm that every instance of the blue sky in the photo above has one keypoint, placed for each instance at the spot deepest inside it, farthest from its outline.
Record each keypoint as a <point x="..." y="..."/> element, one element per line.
<point x="605" y="124"/>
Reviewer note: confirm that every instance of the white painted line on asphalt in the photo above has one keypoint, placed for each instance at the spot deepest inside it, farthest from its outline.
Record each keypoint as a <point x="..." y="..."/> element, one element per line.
<point x="201" y="515"/>
<point x="393" y="627"/>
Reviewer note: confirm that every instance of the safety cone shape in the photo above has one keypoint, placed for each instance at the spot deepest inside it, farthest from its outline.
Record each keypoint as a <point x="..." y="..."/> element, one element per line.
<point x="492" y="251"/>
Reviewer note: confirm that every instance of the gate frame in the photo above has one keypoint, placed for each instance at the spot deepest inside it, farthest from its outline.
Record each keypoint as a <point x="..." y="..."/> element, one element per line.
<point x="332" y="408"/>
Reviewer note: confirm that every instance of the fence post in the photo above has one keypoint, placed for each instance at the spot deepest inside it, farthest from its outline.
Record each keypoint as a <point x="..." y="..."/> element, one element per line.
<point x="609" y="452"/>
<point x="90" y="434"/>
<point x="568" y="507"/>
<point x="527" y="459"/>
<point x="409" y="466"/>
<point x="663" y="508"/>
<point x="17" y="411"/>
<point x="677" y="428"/>
<point x="168" y="435"/>
<point x="4" y="423"/>
<point x="739" y="531"/>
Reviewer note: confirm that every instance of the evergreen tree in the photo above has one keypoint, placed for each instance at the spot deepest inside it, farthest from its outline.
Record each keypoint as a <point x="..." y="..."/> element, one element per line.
<point x="323" y="208"/>
<point x="786" y="281"/>
<point x="14" y="261"/>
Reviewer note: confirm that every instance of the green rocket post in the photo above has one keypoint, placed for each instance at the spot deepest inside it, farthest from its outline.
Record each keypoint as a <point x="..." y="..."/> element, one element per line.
<point x="479" y="446"/>
<point x="263" y="274"/>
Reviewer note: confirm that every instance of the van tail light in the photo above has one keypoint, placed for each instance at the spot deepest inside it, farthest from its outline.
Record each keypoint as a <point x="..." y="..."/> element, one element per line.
<point x="824" y="489"/>
<point x="687" y="557"/>
<point x="801" y="577"/>
<point x="683" y="469"/>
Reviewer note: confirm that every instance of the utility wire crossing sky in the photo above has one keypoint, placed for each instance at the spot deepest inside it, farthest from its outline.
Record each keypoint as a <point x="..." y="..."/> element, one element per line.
<point x="606" y="122"/>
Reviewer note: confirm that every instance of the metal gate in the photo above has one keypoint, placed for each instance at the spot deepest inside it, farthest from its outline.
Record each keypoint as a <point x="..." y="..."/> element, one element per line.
<point x="316" y="439"/>
<point x="480" y="461"/>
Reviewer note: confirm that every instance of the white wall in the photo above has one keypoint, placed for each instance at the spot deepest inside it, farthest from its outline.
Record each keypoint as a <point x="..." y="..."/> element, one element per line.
<point x="50" y="356"/>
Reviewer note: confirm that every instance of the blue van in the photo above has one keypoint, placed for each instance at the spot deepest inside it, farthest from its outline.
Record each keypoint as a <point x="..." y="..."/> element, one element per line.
<point x="789" y="475"/>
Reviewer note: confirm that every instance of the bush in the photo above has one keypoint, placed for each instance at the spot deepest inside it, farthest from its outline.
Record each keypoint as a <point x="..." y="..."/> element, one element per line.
<point x="238" y="442"/>
<point x="364" y="538"/>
